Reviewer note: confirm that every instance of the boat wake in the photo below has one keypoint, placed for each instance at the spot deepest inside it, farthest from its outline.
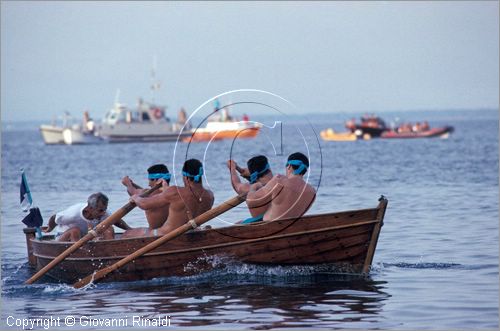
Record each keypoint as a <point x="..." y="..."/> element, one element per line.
<point x="40" y="290"/>
<point x="420" y="265"/>
<point x="227" y="265"/>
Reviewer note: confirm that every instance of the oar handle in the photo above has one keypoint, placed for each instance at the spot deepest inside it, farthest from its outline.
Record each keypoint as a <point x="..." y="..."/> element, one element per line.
<point x="203" y="218"/>
<point x="100" y="228"/>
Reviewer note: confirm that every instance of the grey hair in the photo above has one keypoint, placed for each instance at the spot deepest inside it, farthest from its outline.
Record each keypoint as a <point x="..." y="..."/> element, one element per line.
<point x="95" y="198"/>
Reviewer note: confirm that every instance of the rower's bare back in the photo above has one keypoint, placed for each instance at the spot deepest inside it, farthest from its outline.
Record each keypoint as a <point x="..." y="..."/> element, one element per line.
<point x="156" y="217"/>
<point x="190" y="202"/>
<point x="293" y="201"/>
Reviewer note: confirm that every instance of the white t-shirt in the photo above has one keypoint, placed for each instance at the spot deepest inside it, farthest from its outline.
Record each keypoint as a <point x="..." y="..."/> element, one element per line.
<point x="73" y="217"/>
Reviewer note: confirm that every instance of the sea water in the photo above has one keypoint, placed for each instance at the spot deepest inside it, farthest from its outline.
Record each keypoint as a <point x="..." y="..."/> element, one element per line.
<point x="435" y="267"/>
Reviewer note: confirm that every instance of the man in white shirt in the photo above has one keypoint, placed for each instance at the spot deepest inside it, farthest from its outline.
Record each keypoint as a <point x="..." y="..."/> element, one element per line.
<point x="74" y="222"/>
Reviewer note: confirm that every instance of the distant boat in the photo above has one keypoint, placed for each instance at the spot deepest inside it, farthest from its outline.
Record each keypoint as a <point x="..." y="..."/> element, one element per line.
<point x="443" y="132"/>
<point x="330" y="135"/>
<point x="69" y="133"/>
<point x="145" y="123"/>
<point x="225" y="130"/>
<point x="222" y="126"/>
<point x="370" y="124"/>
<point x="374" y="127"/>
<point x="77" y="136"/>
<point x="52" y="134"/>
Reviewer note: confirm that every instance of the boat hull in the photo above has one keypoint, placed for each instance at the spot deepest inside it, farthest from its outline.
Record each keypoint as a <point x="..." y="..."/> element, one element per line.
<point x="52" y="135"/>
<point x="201" y="135"/>
<point x="443" y="132"/>
<point x="345" y="239"/>
<point x="78" y="137"/>
<point x="141" y="132"/>
<point x="145" y="138"/>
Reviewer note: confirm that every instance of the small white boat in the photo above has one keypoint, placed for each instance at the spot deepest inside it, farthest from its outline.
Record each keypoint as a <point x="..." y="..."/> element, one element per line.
<point x="52" y="134"/>
<point x="70" y="134"/>
<point x="76" y="136"/>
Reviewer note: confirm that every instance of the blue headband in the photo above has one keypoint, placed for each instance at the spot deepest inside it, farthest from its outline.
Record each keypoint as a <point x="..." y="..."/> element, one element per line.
<point x="197" y="177"/>
<point x="159" y="176"/>
<point x="298" y="163"/>
<point x="255" y="175"/>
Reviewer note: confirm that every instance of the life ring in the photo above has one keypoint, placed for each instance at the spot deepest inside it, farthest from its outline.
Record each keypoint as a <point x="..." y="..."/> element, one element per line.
<point x="157" y="113"/>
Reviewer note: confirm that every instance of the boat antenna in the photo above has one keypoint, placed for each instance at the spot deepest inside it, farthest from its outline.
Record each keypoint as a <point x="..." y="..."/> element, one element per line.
<point x="155" y="84"/>
<point x="117" y="96"/>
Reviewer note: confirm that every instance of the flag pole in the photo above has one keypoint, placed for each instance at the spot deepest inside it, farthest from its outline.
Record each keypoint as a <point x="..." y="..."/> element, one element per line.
<point x="27" y="192"/>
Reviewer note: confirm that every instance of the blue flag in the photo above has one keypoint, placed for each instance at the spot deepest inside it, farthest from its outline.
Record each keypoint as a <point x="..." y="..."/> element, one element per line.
<point x="25" y="199"/>
<point x="34" y="218"/>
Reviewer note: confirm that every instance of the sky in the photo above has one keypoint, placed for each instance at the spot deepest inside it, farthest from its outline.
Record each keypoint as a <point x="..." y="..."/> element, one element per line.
<point x="324" y="57"/>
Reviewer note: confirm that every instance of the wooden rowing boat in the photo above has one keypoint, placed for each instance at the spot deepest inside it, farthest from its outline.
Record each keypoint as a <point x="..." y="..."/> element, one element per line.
<point x="345" y="239"/>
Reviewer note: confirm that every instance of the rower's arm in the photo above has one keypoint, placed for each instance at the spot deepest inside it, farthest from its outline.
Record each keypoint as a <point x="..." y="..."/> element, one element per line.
<point x="51" y="225"/>
<point x="150" y="202"/>
<point x="132" y="188"/>
<point x="238" y="186"/>
<point x="167" y="196"/>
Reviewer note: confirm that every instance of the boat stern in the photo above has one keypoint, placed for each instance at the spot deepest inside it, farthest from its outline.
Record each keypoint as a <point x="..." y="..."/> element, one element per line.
<point x="381" y="208"/>
<point x="30" y="234"/>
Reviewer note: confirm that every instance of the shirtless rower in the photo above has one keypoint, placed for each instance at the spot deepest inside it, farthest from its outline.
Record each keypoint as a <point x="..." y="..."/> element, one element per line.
<point x="185" y="203"/>
<point x="155" y="216"/>
<point x="294" y="199"/>
<point x="259" y="174"/>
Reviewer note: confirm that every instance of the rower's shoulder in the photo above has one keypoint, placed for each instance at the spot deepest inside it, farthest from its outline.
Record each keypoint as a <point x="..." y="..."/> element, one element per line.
<point x="310" y="188"/>
<point x="278" y="178"/>
<point x="210" y="193"/>
<point x="172" y="191"/>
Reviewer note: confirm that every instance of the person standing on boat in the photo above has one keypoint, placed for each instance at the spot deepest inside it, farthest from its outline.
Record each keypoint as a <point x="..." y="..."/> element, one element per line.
<point x="294" y="199"/>
<point x="258" y="173"/>
<point x="185" y="203"/>
<point x="75" y="221"/>
<point x="156" y="217"/>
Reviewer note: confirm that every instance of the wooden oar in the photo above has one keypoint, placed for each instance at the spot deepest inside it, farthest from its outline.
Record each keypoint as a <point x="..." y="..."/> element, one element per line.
<point x="192" y="224"/>
<point x="100" y="228"/>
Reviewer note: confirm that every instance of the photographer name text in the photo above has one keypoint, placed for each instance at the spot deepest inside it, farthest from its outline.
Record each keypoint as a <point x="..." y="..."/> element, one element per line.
<point x="86" y="321"/>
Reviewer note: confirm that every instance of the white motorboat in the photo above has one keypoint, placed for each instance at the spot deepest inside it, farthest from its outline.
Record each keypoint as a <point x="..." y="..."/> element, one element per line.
<point x="147" y="122"/>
